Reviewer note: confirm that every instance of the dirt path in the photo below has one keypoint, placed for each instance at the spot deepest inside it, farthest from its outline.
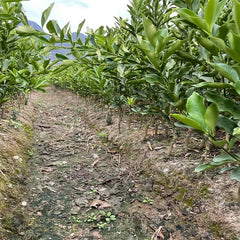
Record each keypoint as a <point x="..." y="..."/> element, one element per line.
<point x="75" y="178"/>
<point x="83" y="187"/>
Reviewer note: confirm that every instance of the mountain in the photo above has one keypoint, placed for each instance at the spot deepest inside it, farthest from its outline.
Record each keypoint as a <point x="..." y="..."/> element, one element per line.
<point x="62" y="51"/>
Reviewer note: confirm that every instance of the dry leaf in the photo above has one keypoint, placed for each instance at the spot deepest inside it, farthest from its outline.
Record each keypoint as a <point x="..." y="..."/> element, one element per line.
<point x="99" y="204"/>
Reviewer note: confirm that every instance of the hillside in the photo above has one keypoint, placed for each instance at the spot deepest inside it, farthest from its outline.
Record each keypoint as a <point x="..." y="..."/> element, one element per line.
<point x="64" y="46"/>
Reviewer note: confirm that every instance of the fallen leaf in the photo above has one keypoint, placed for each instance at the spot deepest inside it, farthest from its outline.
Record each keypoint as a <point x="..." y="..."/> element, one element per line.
<point x="150" y="146"/>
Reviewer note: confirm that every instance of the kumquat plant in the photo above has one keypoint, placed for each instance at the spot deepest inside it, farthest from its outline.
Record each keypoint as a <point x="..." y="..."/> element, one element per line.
<point x="149" y="127"/>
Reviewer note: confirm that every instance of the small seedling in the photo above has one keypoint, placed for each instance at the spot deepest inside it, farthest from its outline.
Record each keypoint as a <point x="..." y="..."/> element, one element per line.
<point x="94" y="191"/>
<point x="148" y="200"/>
<point x="101" y="225"/>
<point x="76" y="219"/>
<point x="91" y="218"/>
<point x="102" y="134"/>
<point x="18" y="124"/>
<point x="30" y="152"/>
<point x="102" y="218"/>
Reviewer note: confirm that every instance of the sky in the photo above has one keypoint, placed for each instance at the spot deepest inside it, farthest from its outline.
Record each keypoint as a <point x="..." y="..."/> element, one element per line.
<point x="95" y="12"/>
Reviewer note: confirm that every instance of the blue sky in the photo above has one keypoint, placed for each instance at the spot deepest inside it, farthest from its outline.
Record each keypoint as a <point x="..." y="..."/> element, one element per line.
<point x="96" y="12"/>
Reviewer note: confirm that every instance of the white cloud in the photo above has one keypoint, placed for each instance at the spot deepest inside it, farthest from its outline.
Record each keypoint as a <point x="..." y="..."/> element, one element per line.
<point x="95" y="12"/>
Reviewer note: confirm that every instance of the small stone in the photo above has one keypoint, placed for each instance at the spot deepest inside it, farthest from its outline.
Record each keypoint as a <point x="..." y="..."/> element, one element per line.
<point x="75" y="210"/>
<point x="97" y="235"/>
<point x="81" y="202"/>
<point x="24" y="203"/>
<point x="39" y="214"/>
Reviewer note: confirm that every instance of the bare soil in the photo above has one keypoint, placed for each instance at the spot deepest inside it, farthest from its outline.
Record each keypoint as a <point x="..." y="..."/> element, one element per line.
<point x="87" y="181"/>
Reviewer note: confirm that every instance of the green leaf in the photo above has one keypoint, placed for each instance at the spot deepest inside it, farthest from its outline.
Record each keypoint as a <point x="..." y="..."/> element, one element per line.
<point x="231" y="53"/>
<point x="46" y="14"/>
<point x="5" y="64"/>
<point x="234" y="41"/>
<point x="236" y="14"/>
<point x="225" y="169"/>
<point x="209" y="45"/>
<point x="236" y="131"/>
<point x="53" y="27"/>
<point x="150" y="30"/>
<point x="46" y="63"/>
<point x="209" y="13"/>
<point x="211" y="117"/>
<point x="188" y="121"/>
<point x="25" y="29"/>
<point x="217" y="85"/>
<point x="60" y="56"/>
<point x="203" y="167"/>
<point x="196" y="108"/>
<point x="192" y="17"/>
<point x="154" y="79"/>
<point x="80" y="27"/>
<point x="235" y="175"/>
<point x="69" y="34"/>
<point x="227" y="124"/>
<point x="224" y="104"/>
<point x="226" y="71"/>
<point x="219" y="143"/>
<point x="223" y="158"/>
<point x="63" y="31"/>
<point x="171" y="50"/>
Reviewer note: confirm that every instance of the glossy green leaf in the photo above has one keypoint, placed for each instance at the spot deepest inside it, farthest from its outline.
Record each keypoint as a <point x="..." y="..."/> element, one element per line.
<point x="173" y="47"/>
<point x="211" y="117"/>
<point x="226" y="71"/>
<point x="203" y="167"/>
<point x="224" y="104"/>
<point x="150" y="30"/>
<point x="192" y="17"/>
<point x="219" y="143"/>
<point x="80" y="27"/>
<point x="236" y="14"/>
<point x="227" y="124"/>
<point x="154" y="79"/>
<point x="234" y="41"/>
<point x="63" y="32"/>
<point x="236" y="131"/>
<point x="196" y="108"/>
<point x="209" y="45"/>
<point x="53" y="27"/>
<point x="225" y="169"/>
<point x="235" y="175"/>
<point x="46" y="14"/>
<point x="217" y="85"/>
<point x="223" y="158"/>
<point x="60" y="56"/>
<point x="188" y="121"/>
<point x="25" y="29"/>
<point x="209" y="13"/>
<point x="231" y="53"/>
<point x="5" y="64"/>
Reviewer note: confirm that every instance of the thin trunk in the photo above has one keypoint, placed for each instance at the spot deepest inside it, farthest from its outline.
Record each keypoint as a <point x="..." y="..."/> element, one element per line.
<point x="146" y="132"/>
<point x="186" y="144"/>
